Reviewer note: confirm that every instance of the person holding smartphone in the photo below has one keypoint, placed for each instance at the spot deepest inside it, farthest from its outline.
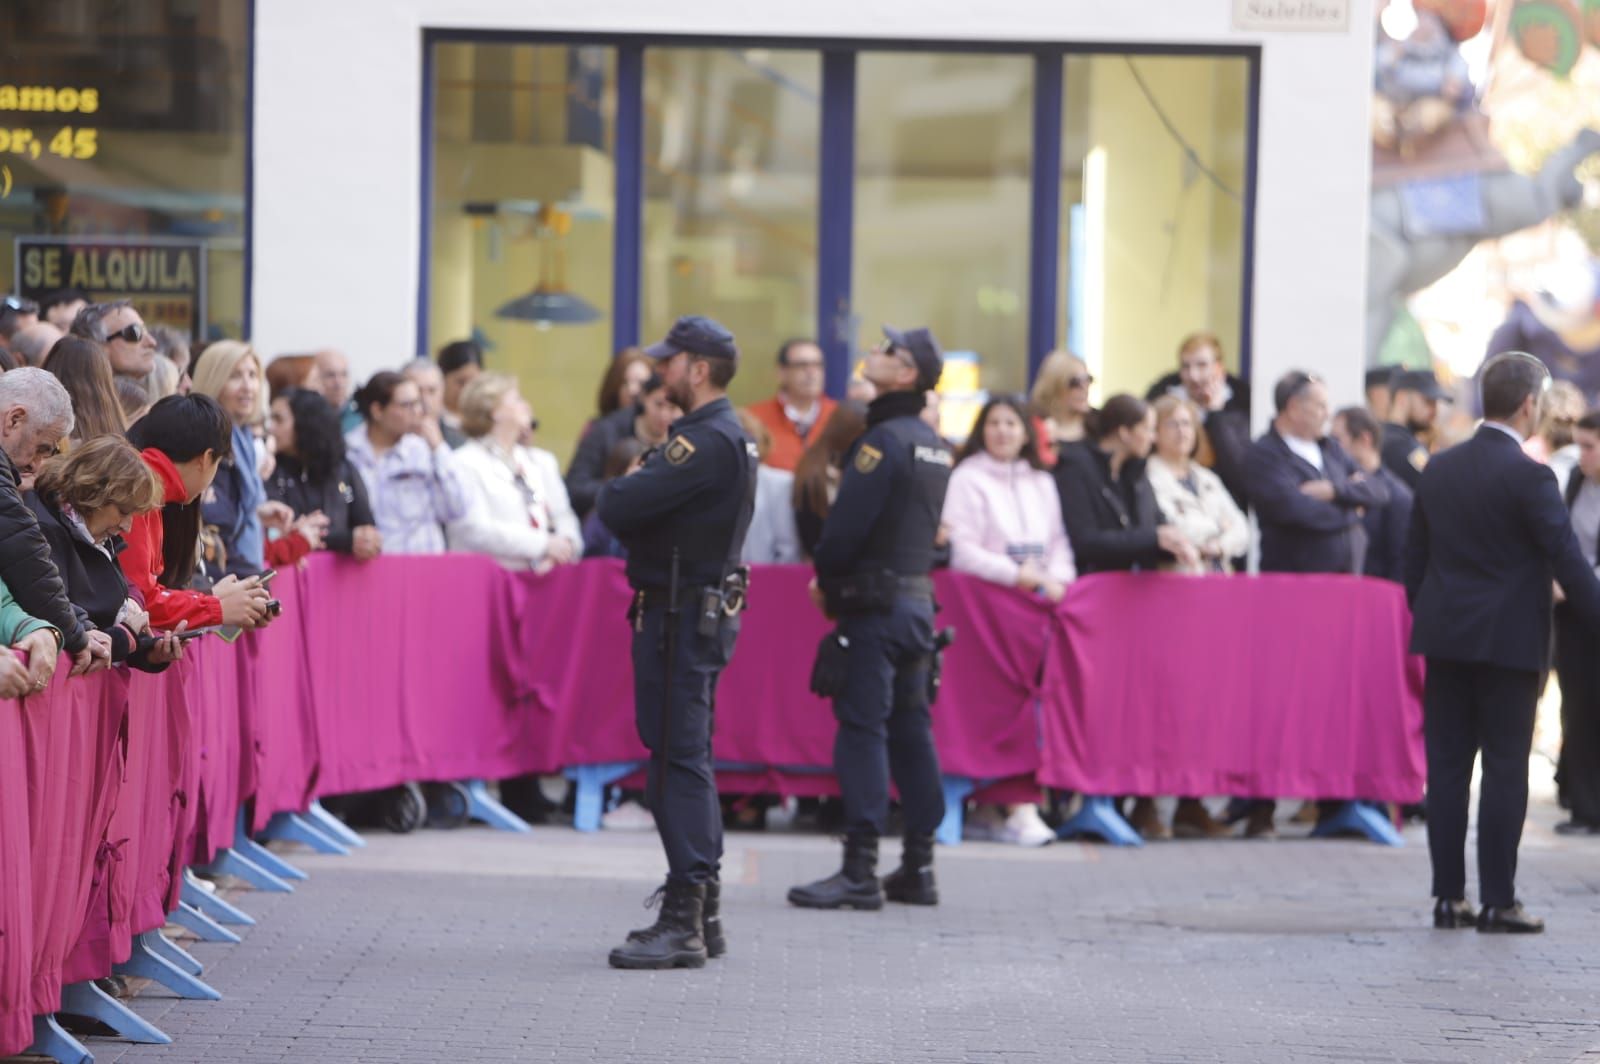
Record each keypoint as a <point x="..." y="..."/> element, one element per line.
<point x="85" y="501"/>
<point x="184" y="439"/>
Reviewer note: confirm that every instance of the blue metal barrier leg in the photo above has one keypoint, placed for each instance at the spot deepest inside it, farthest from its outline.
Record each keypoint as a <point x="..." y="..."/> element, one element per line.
<point x="49" y="1040"/>
<point x="1360" y="818"/>
<point x="146" y="963"/>
<point x="200" y="925"/>
<point x="175" y="953"/>
<point x="86" y="999"/>
<point x="292" y="827"/>
<point x="592" y="781"/>
<point x="956" y="789"/>
<point x="232" y="863"/>
<point x="220" y="910"/>
<point x="258" y="854"/>
<point x="334" y="827"/>
<point x="481" y="805"/>
<point x="1098" y="816"/>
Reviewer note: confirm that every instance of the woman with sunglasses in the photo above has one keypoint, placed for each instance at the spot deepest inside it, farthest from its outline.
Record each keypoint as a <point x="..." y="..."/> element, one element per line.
<point x="1060" y="403"/>
<point x="519" y="511"/>
<point x="413" y="480"/>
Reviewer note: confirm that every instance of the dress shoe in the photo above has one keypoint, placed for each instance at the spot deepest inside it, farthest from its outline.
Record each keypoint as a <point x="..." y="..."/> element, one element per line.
<point x="1191" y="821"/>
<point x="1146" y="821"/>
<point x="1513" y="919"/>
<point x="1452" y="913"/>
<point x="1577" y="827"/>
<point x="1260" y="825"/>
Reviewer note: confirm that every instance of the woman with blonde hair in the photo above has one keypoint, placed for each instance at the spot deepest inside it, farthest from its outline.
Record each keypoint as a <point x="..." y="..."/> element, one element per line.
<point x="1059" y="402"/>
<point x="85" y="502"/>
<point x="1191" y="496"/>
<point x="518" y="510"/>
<point x="229" y="371"/>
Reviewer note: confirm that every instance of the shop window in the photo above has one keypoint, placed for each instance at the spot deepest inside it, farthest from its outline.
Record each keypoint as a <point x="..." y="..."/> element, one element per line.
<point x="523" y="219"/>
<point x="122" y="156"/>
<point x="1154" y="157"/>
<point x="730" y="210"/>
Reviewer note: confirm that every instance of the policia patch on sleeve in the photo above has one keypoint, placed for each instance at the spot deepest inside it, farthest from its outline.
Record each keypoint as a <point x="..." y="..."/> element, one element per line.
<point x="678" y="451"/>
<point x="867" y="458"/>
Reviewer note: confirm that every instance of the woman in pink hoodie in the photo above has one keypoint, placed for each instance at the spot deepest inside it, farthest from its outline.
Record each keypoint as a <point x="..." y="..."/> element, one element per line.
<point x="1003" y="515"/>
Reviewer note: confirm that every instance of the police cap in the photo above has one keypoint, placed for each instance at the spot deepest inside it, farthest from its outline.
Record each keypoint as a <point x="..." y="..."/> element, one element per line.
<point x="698" y="336"/>
<point x="924" y="351"/>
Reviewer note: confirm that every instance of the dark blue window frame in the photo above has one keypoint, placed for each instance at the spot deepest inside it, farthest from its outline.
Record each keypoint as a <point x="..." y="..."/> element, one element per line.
<point x="836" y="177"/>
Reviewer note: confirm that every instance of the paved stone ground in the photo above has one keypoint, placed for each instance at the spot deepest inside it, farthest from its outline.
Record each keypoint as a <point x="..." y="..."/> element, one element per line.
<point x="473" y="945"/>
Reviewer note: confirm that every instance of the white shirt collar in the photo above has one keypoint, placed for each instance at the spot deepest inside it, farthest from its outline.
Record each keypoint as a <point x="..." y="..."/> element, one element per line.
<point x="1507" y="429"/>
<point x="1309" y="450"/>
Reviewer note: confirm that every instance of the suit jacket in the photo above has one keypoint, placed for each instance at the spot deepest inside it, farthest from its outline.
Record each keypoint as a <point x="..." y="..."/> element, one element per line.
<point x="1488" y="534"/>
<point x="1575" y="485"/>
<point x="1386" y="531"/>
<point x="1300" y="534"/>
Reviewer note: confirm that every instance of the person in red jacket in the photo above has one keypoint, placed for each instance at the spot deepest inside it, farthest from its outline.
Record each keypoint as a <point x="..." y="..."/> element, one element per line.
<point x="184" y="438"/>
<point x="796" y="414"/>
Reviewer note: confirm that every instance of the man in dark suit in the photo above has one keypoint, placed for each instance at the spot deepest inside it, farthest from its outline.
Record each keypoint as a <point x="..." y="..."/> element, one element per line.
<point x="1308" y="494"/>
<point x="1489" y="536"/>
<point x="1358" y="433"/>
<point x="1577" y="664"/>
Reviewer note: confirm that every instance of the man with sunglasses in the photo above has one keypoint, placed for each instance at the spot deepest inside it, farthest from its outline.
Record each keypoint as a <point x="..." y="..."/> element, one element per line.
<point x="873" y="561"/>
<point x="128" y="342"/>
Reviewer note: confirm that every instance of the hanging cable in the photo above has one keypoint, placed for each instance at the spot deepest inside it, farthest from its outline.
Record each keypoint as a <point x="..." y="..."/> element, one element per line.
<point x="1172" y="131"/>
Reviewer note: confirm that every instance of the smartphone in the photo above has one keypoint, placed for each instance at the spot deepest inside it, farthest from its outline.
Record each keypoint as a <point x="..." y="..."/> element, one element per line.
<point x="274" y="607"/>
<point x="266" y="578"/>
<point x="191" y="633"/>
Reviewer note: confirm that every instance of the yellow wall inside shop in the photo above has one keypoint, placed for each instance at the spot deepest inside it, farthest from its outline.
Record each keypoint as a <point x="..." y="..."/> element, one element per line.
<point x="1173" y="248"/>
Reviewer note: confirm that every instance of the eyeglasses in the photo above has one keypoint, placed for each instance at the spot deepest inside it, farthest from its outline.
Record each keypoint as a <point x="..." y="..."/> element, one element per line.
<point x="132" y="334"/>
<point x="884" y="347"/>
<point x="1080" y="382"/>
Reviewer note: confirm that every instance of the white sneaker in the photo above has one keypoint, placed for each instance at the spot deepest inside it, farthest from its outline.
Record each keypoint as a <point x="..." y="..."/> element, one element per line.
<point x="629" y="816"/>
<point x="1024" y="827"/>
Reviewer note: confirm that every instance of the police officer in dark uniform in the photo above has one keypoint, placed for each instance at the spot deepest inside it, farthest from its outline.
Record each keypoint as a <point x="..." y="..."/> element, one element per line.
<point x="1413" y="409"/>
<point x="683" y="514"/>
<point x="872" y="562"/>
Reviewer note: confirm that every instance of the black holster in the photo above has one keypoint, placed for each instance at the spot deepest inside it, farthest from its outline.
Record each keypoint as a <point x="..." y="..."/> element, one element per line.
<point x="941" y="639"/>
<point x="832" y="665"/>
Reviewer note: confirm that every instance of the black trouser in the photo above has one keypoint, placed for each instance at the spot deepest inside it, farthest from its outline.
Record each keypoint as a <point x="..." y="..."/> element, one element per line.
<point x="884" y="727"/>
<point x="688" y="816"/>
<point x="1467" y="708"/>
<point x="1578" y="672"/>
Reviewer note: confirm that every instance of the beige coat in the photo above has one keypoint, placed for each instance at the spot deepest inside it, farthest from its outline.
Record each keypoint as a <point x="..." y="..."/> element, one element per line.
<point x="1207" y="515"/>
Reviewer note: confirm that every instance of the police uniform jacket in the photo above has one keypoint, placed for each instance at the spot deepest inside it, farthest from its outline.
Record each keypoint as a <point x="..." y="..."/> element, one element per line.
<point x="693" y="493"/>
<point x="1403" y="455"/>
<point x="886" y="516"/>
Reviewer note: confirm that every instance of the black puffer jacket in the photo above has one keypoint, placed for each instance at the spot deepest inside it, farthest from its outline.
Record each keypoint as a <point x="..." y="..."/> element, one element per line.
<point x="1111" y="523"/>
<point x="342" y="498"/>
<point x="26" y="565"/>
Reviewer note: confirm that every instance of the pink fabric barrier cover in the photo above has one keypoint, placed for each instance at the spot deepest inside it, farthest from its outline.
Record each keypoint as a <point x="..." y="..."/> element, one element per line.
<point x="1273" y="686"/>
<point x="450" y="668"/>
<point x="16" y="885"/>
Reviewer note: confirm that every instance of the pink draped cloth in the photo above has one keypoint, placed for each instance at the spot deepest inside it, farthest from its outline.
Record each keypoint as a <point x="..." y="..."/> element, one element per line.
<point x="420" y="668"/>
<point x="1271" y="686"/>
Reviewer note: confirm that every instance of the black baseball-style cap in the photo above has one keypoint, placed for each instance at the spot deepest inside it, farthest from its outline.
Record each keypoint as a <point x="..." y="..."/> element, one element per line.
<point x="1381" y="376"/>
<point x="924" y="351"/>
<point x="698" y="336"/>
<point x="1421" y="381"/>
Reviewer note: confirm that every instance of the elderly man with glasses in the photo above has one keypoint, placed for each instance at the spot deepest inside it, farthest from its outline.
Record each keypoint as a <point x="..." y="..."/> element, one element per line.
<point x="128" y="342"/>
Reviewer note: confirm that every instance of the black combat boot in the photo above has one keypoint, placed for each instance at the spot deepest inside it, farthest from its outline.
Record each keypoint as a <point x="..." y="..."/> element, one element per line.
<point x="855" y="886"/>
<point x="912" y="883"/>
<point x="675" y="940"/>
<point x="716" y="941"/>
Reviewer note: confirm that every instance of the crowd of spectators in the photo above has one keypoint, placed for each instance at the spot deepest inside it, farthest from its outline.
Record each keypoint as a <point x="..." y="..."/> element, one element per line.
<point x="147" y="487"/>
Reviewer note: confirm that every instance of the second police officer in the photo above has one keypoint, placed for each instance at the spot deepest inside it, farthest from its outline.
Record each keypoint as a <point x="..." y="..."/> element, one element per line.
<point x="873" y="560"/>
<point x="683" y="515"/>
